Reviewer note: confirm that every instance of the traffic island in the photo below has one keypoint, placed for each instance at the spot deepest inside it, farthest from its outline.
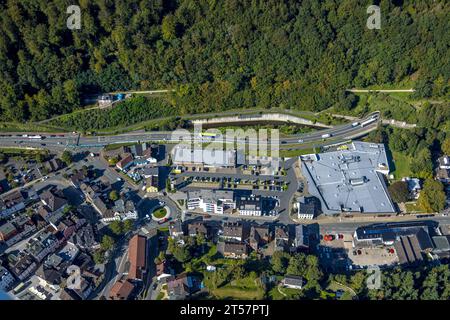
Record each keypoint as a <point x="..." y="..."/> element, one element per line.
<point x="161" y="213"/>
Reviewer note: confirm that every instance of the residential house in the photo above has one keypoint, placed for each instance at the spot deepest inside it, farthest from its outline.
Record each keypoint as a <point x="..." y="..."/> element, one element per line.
<point x="11" y="203"/>
<point x="41" y="246"/>
<point x="183" y="286"/>
<point x="196" y="228"/>
<point x="178" y="182"/>
<point x="25" y="227"/>
<point x="259" y="236"/>
<point x="54" y="200"/>
<point x="444" y="162"/>
<point x="281" y="240"/>
<point x="107" y="214"/>
<point x="308" y="207"/>
<point x="443" y="175"/>
<point x="121" y="290"/>
<point x="125" y="209"/>
<point x="6" y="279"/>
<point x="7" y="231"/>
<point x="176" y="229"/>
<point x="68" y="295"/>
<point x="21" y="264"/>
<point x="293" y="282"/>
<point x="86" y="287"/>
<point x="414" y="186"/>
<point x="137" y="255"/>
<point x="234" y="250"/>
<point x="143" y="151"/>
<point x="162" y="268"/>
<point x="105" y="100"/>
<point x="49" y="277"/>
<point x="67" y="228"/>
<point x="78" y="178"/>
<point x="152" y="184"/>
<point x="52" y="165"/>
<point x="125" y="162"/>
<point x="234" y="231"/>
<point x="84" y="238"/>
<point x="301" y="240"/>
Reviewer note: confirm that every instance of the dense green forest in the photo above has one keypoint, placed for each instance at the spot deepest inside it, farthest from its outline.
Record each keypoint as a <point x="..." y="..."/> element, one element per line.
<point x="218" y="54"/>
<point x="126" y="113"/>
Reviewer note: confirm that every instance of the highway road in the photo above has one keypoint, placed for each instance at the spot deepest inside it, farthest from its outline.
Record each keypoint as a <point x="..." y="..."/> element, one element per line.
<point x="59" y="142"/>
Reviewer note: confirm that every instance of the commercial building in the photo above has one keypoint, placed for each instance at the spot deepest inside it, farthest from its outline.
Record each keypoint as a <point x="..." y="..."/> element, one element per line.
<point x="211" y="201"/>
<point x="349" y="180"/>
<point x="186" y="156"/>
<point x="387" y="233"/>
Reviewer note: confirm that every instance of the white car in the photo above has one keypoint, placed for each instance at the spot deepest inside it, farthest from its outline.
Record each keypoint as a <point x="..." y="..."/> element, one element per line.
<point x="300" y="140"/>
<point x="119" y="179"/>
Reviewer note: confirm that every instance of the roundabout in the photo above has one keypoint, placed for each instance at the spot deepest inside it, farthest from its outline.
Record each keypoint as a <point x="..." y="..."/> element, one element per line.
<point x="161" y="213"/>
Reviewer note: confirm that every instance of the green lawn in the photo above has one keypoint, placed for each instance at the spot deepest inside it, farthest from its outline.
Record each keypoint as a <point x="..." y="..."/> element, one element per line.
<point x="159" y="213"/>
<point x="411" y="207"/>
<point x="400" y="165"/>
<point x="289" y="294"/>
<point x="245" y="288"/>
<point x="334" y="286"/>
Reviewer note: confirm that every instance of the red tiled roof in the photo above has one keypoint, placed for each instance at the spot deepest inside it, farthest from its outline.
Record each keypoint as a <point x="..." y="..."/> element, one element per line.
<point x="137" y="254"/>
<point x="126" y="160"/>
<point x="121" y="290"/>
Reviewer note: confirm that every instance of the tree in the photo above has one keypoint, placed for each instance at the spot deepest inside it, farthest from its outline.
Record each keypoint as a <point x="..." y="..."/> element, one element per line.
<point x="128" y="225"/>
<point x="68" y="209"/>
<point x="66" y="157"/>
<point x="446" y="146"/>
<point x="113" y="195"/>
<point x="107" y="243"/>
<point x="297" y="265"/>
<point x="181" y="253"/>
<point x="99" y="257"/>
<point x="399" y="191"/>
<point x="168" y="27"/>
<point x="422" y="165"/>
<point x="40" y="157"/>
<point x="432" y="197"/>
<point x="279" y="262"/>
<point x="116" y="227"/>
<point x="160" y="258"/>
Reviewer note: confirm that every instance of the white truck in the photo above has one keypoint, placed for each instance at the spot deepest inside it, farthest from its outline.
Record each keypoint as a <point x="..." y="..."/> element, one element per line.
<point x="367" y="122"/>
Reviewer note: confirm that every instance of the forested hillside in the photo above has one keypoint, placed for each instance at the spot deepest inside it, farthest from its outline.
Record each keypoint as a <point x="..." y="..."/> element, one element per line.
<point x="218" y="54"/>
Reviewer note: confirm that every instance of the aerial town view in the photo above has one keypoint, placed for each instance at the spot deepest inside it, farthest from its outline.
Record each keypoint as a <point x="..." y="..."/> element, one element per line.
<point x="224" y="150"/>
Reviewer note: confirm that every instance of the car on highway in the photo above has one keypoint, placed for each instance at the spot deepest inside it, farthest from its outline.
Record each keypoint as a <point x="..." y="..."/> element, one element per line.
<point x="300" y="140"/>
